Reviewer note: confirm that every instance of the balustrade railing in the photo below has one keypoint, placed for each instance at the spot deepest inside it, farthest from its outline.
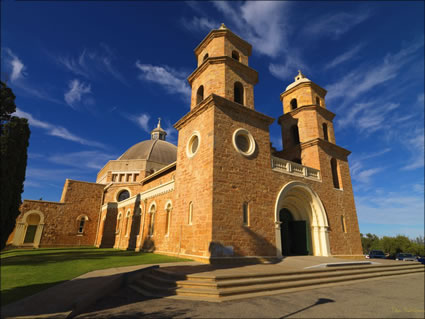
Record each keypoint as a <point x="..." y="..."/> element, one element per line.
<point x="285" y="166"/>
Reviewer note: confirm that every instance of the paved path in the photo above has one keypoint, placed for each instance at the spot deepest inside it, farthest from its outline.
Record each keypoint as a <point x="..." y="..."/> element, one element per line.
<point x="74" y="296"/>
<point x="392" y="297"/>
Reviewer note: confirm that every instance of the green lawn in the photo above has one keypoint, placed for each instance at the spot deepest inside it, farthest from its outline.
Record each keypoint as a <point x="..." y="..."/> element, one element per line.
<point x="25" y="272"/>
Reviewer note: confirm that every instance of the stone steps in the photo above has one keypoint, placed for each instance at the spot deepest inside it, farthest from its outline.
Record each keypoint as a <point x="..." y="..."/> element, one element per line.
<point x="219" y="287"/>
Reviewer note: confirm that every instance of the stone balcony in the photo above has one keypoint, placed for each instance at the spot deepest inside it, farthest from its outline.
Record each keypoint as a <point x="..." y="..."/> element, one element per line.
<point x="287" y="167"/>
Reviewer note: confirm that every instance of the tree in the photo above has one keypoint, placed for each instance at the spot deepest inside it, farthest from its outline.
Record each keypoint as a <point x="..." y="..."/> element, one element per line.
<point x="14" y="137"/>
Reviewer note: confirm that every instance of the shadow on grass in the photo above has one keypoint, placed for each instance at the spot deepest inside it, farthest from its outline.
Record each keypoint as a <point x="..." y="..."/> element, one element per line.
<point x="54" y="257"/>
<point x="13" y="294"/>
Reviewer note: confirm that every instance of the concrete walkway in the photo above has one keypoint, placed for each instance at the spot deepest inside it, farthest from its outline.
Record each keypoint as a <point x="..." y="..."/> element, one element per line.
<point x="72" y="297"/>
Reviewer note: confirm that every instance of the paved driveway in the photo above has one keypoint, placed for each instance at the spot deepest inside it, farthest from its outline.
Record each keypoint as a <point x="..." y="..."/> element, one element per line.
<point x="390" y="297"/>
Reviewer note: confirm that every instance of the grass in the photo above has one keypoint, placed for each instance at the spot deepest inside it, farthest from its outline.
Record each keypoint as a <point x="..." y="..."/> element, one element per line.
<point x="26" y="272"/>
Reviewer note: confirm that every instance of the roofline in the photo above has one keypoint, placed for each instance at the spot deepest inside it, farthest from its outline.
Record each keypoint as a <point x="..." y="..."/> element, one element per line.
<point x="165" y="168"/>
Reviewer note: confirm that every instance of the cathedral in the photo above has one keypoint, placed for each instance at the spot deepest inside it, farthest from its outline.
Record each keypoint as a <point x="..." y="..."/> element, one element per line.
<point x="224" y="193"/>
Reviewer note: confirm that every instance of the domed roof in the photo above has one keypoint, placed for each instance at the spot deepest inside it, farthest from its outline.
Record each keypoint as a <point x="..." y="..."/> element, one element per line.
<point x="300" y="78"/>
<point x="152" y="150"/>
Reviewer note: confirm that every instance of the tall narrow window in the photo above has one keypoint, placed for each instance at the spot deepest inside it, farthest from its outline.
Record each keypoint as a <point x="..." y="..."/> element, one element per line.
<point x="238" y="92"/>
<point x="205" y="57"/>
<point x="294" y="104"/>
<point x="335" y="172"/>
<point x="344" y="228"/>
<point x="168" y="218"/>
<point x="200" y="94"/>
<point x="190" y="216"/>
<point x="235" y="55"/>
<point x="325" y="131"/>
<point x="245" y="214"/>
<point x="117" y="228"/>
<point x="81" y="224"/>
<point x="295" y="134"/>
<point x="152" y="220"/>
<point x="317" y="100"/>
<point x="127" y="220"/>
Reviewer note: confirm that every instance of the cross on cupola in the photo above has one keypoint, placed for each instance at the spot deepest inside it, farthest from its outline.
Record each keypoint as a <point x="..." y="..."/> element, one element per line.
<point x="158" y="133"/>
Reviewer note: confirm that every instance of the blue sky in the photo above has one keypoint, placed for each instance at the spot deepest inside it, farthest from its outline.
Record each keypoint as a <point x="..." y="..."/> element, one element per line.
<point x="92" y="77"/>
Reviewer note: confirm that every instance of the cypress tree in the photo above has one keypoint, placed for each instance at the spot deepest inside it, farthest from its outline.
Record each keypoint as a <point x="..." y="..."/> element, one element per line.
<point x="14" y="137"/>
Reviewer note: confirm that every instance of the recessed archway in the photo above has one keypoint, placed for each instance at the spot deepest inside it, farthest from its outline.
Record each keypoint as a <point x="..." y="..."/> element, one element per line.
<point x="298" y="209"/>
<point x="29" y="229"/>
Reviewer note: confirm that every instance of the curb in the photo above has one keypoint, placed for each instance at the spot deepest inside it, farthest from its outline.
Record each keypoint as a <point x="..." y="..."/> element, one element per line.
<point x="121" y="280"/>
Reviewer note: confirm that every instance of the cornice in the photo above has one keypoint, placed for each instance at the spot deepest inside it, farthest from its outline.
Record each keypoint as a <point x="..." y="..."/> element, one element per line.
<point x="321" y="110"/>
<point x="226" y="60"/>
<point x="222" y="33"/>
<point x="217" y="100"/>
<point x="325" y="144"/>
<point x="304" y="84"/>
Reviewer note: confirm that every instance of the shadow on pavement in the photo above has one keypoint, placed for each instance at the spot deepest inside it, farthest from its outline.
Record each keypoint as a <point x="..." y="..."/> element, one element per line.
<point x="319" y="301"/>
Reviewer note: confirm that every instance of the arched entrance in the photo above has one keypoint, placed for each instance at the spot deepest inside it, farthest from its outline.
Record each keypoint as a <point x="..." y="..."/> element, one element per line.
<point x="301" y="222"/>
<point x="29" y="229"/>
<point x="294" y="235"/>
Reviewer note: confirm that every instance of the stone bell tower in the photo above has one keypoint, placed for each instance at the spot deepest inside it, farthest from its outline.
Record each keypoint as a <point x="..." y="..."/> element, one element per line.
<point x="223" y="69"/>
<point x="222" y="136"/>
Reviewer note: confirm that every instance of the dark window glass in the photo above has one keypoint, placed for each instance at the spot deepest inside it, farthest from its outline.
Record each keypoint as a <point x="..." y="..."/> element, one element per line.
<point x="295" y="134"/>
<point x="294" y="104"/>
<point x="235" y="55"/>
<point x="123" y="195"/>
<point x="205" y="57"/>
<point x="325" y="132"/>
<point x="200" y="94"/>
<point x="81" y="226"/>
<point x="334" y="173"/>
<point x="245" y="213"/>
<point x="317" y="100"/>
<point x="238" y="92"/>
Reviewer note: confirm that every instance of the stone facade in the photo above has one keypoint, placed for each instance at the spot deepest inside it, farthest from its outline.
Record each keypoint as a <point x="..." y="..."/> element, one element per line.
<point x="227" y="194"/>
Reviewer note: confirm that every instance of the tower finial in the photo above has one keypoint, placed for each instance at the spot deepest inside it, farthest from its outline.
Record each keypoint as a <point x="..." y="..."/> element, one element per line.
<point x="159" y="123"/>
<point x="158" y="133"/>
<point x="299" y="76"/>
<point x="222" y="27"/>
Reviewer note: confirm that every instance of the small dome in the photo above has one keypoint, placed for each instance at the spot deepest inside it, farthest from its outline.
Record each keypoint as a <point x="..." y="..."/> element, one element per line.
<point x="158" y="151"/>
<point x="300" y="78"/>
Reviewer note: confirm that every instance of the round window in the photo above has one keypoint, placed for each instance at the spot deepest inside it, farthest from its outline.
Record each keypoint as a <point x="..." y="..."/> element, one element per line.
<point x="244" y="142"/>
<point x="193" y="144"/>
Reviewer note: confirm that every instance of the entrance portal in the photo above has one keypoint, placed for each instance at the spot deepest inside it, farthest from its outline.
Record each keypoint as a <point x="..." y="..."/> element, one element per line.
<point x="295" y="235"/>
<point x="301" y="222"/>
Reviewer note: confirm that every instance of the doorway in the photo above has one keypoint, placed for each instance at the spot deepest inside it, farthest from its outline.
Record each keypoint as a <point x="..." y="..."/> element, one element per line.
<point x="295" y="235"/>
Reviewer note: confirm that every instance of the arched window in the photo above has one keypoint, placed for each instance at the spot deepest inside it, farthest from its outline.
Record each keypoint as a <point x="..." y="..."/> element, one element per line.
<point x="127" y="220"/>
<point x="205" y="57"/>
<point x="117" y="228"/>
<point x="295" y="134"/>
<point x="335" y="172"/>
<point x="317" y="100"/>
<point x="123" y="195"/>
<point x="168" y="219"/>
<point x="235" y="55"/>
<point x="81" y="220"/>
<point x="245" y="214"/>
<point x="190" y="216"/>
<point x="152" y="219"/>
<point x="294" y="104"/>
<point x="200" y="94"/>
<point x="325" y="131"/>
<point x="238" y="92"/>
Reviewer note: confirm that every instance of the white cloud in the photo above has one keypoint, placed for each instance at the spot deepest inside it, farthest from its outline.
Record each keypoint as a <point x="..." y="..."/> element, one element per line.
<point x="202" y="23"/>
<point x="261" y="23"/>
<point x="335" y="25"/>
<point x="85" y="159"/>
<point x="346" y="56"/>
<point x="415" y="144"/>
<point x="172" y="80"/>
<point x="55" y="130"/>
<point x="361" y="175"/>
<point x="76" y="91"/>
<point x="143" y="121"/>
<point x="89" y="63"/>
<point x="17" y="67"/>
<point x="365" y="78"/>
<point x="289" y="68"/>
<point x="391" y="209"/>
